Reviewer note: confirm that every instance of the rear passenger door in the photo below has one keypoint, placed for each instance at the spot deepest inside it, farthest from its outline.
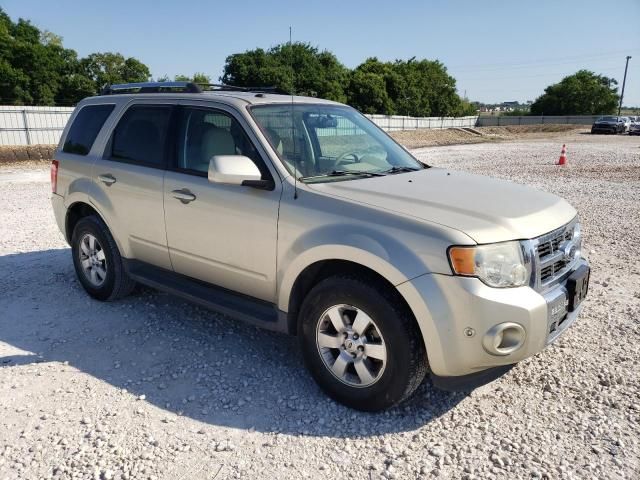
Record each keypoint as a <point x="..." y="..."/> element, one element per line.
<point x="224" y="234"/>
<point x="128" y="182"/>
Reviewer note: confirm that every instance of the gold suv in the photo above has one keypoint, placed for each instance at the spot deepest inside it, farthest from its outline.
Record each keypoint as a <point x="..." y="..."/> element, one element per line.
<point x="302" y="216"/>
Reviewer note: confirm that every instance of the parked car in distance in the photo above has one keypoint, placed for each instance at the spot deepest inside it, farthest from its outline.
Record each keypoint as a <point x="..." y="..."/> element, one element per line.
<point x="608" y="124"/>
<point x="634" y="128"/>
<point x="626" y="121"/>
<point x="302" y="216"/>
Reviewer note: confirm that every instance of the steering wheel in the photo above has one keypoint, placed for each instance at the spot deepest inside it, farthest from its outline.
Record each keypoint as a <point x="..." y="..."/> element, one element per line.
<point x="342" y="157"/>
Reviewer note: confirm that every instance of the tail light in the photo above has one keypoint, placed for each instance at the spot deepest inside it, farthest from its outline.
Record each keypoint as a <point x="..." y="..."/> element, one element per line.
<point x="54" y="176"/>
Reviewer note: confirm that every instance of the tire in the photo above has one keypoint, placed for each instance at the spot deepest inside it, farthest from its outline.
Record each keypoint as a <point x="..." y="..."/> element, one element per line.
<point x="392" y="336"/>
<point x="105" y="278"/>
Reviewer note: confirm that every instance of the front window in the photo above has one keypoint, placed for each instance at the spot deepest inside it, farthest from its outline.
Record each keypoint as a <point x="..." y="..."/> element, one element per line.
<point x="204" y="133"/>
<point x="321" y="143"/>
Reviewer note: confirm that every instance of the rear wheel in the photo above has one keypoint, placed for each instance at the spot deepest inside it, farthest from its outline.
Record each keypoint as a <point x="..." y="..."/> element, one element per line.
<point x="97" y="260"/>
<point x="361" y="344"/>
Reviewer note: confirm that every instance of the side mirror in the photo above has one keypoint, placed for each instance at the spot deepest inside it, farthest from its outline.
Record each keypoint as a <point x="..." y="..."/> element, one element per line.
<point x="236" y="170"/>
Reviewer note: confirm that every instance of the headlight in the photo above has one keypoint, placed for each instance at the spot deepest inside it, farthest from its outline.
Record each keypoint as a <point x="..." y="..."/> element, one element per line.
<point x="497" y="265"/>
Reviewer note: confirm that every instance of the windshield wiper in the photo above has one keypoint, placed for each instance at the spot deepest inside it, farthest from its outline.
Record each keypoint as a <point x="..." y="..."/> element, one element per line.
<point x="342" y="173"/>
<point x="402" y="169"/>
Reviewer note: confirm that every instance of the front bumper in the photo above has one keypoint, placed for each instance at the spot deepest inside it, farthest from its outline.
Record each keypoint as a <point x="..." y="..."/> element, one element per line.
<point x="604" y="129"/>
<point x="459" y="316"/>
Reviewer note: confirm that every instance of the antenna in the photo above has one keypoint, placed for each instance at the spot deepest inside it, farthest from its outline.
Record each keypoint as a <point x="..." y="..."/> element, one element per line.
<point x="293" y="123"/>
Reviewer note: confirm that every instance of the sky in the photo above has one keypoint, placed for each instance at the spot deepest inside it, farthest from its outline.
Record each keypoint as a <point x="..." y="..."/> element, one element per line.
<point x="498" y="50"/>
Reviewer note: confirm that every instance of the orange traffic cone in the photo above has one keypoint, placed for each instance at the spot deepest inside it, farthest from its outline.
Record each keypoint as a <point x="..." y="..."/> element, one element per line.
<point x="563" y="156"/>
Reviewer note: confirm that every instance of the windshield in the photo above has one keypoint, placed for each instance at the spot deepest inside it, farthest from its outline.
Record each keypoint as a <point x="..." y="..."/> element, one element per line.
<point x="330" y="142"/>
<point x="609" y="119"/>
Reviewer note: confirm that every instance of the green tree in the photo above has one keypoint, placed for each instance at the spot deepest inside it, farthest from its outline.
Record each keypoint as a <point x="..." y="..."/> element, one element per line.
<point x="583" y="93"/>
<point x="29" y="70"/>
<point x="110" y="68"/>
<point x="197" y="78"/>
<point x="420" y="88"/>
<point x="467" y="108"/>
<point x="36" y="69"/>
<point x="298" y="67"/>
<point x="368" y="93"/>
<point x="518" y="112"/>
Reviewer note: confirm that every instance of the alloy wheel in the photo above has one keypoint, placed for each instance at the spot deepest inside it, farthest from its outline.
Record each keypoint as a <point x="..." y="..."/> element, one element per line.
<point x="92" y="260"/>
<point x="351" y="345"/>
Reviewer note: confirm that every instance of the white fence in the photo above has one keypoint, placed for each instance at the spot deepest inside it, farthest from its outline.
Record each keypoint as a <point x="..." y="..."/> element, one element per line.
<point x="32" y="125"/>
<point x="44" y="125"/>
<point x="503" y="120"/>
<point x="392" y="123"/>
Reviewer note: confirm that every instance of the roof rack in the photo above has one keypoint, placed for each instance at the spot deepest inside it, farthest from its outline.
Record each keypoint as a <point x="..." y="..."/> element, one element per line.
<point x="181" y="87"/>
<point x="234" y="88"/>
<point x="151" y="87"/>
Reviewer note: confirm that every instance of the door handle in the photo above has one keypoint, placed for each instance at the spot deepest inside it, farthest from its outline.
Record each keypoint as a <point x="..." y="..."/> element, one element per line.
<point x="184" y="195"/>
<point x="107" y="179"/>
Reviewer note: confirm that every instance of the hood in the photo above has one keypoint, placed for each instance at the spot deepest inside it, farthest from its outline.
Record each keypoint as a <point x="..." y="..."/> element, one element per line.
<point x="486" y="209"/>
<point x="606" y="122"/>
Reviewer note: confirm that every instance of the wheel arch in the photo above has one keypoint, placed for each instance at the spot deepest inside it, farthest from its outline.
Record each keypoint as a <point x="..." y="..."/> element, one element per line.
<point x="80" y="209"/>
<point x="317" y="271"/>
<point x="75" y="213"/>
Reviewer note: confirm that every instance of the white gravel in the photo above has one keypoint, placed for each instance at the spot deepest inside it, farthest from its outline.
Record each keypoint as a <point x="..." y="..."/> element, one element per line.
<point x="152" y="387"/>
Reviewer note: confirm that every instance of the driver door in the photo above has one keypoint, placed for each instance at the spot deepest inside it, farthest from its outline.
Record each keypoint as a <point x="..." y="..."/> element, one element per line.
<point x="225" y="235"/>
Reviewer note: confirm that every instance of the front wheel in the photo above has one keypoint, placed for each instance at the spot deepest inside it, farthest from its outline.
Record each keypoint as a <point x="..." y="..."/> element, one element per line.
<point x="361" y="343"/>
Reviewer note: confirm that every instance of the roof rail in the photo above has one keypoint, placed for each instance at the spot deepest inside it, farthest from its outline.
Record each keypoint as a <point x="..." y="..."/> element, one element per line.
<point x="151" y="87"/>
<point x="182" y="87"/>
<point x="234" y="88"/>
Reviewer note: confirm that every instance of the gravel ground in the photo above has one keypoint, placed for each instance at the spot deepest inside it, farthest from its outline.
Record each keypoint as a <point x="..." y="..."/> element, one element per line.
<point x="152" y="387"/>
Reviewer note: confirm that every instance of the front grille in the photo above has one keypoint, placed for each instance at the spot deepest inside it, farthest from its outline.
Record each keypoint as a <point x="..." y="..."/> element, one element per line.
<point x="551" y="259"/>
<point x="548" y="272"/>
<point x="550" y="246"/>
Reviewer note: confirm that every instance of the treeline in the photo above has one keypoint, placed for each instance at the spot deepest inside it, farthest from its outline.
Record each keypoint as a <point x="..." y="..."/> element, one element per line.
<point x="420" y="88"/>
<point x="583" y="93"/>
<point x="35" y="69"/>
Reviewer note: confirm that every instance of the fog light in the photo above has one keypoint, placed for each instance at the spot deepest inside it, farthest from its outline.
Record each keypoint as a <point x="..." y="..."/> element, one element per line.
<point x="504" y="338"/>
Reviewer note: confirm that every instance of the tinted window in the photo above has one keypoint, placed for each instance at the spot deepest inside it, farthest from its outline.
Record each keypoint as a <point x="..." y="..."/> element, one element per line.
<point x="85" y="128"/>
<point x="204" y="133"/>
<point x="141" y="134"/>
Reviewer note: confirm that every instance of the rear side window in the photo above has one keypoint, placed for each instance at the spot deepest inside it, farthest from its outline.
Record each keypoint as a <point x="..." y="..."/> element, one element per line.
<point x="85" y="128"/>
<point x="141" y="134"/>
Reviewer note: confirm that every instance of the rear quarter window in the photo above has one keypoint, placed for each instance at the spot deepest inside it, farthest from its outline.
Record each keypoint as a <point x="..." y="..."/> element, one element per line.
<point x="85" y="128"/>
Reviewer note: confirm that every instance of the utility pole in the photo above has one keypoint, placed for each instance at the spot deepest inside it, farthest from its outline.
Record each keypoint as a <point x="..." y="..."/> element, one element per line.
<point x="623" y="82"/>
